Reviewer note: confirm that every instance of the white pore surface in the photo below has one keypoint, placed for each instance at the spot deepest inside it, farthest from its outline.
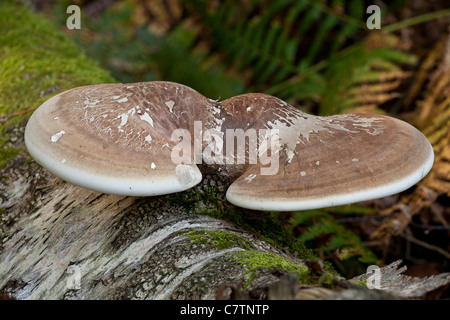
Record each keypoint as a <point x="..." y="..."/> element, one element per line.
<point x="129" y="186"/>
<point x="264" y="202"/>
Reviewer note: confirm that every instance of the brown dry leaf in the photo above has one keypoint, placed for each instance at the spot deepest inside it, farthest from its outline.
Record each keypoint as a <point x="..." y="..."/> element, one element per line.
<point x="159" y="15"/>
<point x="436" y="111"/>
<point x="383" y="79"/>
<point x="432" y="116"/>
<point x="366" y="108"/>
<point x="378" y="98"/>
<point x="424" y="70"/>
<point x="313" y="293"/>
<point x="380" y="87"/>
<point x="398" y="220"/>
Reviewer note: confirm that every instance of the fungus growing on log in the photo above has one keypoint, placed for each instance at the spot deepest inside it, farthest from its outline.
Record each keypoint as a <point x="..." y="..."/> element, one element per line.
<point x="145" y="139"/>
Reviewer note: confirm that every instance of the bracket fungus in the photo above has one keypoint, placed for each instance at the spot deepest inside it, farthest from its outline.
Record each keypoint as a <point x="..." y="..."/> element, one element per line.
<point x="145" y="139"/>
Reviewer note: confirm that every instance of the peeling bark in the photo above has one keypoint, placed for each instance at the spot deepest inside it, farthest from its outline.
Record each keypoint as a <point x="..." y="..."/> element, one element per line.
<point x="121" y="247"/>
<point x="402" y="286"/>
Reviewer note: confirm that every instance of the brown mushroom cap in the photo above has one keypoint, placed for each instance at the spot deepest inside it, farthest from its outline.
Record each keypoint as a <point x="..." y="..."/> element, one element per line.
<point x="117" y="138"/>
<point x="328" y="161"/>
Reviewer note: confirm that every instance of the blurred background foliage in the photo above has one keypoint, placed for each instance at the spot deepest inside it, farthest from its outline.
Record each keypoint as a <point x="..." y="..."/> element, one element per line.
<point x="317" y="55"/>
<point x="291" y="49"/>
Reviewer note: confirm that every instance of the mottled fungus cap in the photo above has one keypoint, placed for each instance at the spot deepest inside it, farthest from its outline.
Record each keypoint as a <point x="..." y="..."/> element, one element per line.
<point x="118" y="139"/>
<point x="330" y="161"/>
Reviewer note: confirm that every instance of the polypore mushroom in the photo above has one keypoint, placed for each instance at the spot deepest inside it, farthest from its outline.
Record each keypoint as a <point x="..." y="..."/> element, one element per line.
<point x="328" y="161"/>
<point x="116" y="138"/>
<point x="147" y="138"/>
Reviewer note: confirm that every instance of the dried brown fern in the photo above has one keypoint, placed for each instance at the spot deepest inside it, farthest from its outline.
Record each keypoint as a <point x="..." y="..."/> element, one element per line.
<point x="431" y="94"/>
<point x="434" y="116"/>
<point x="379" y="79"/>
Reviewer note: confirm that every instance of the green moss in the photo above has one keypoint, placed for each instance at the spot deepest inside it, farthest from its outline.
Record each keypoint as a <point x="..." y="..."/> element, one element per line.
<point x="360" y="283"/>
<point x="189" y="200"/>
<point x="256" y="261"/>
<point x="218" y="240"/>
<point x="7" y="153"/>
<point x="36" y="62"/>
<point x="211" y="202"/>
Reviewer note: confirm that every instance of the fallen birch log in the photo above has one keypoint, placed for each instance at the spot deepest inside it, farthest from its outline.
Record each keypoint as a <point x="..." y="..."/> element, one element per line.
<point x="60" y="241"/>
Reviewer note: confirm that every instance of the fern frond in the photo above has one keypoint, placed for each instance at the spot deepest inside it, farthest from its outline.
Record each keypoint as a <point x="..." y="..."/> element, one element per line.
<point x="368" y="74"/>
<point x="273" y="39"/>
<point x="434" y="116"/>
<point x="339" y="240"/>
